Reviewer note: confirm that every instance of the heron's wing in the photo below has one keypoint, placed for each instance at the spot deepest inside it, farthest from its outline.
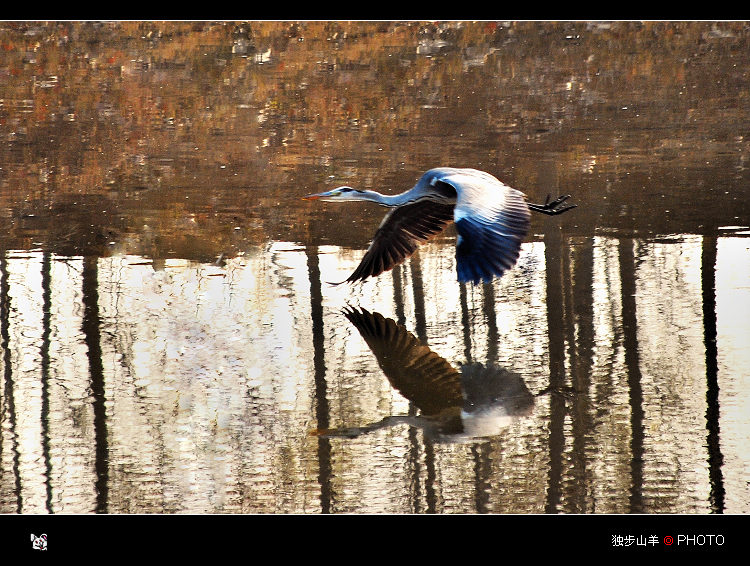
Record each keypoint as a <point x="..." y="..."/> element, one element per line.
<point x="491" y="219"/>
<point x="418" y="373"/>
<point x="398" y="236"/>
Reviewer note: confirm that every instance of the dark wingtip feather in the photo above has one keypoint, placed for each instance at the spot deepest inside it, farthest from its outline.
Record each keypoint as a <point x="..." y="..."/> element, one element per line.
<point x="483" y="254"/>
<point x="399" y="236"/>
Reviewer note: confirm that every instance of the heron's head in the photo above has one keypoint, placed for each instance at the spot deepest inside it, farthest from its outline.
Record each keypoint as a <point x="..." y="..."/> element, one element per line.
<point x="338" y="194"/>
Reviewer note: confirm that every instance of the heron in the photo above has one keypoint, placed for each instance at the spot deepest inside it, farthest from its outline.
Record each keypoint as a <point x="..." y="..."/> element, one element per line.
<point x="491" y="221"/>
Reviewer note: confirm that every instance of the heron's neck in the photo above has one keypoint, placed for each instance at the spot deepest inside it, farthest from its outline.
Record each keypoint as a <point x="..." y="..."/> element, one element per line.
<point x="384" y="200"/>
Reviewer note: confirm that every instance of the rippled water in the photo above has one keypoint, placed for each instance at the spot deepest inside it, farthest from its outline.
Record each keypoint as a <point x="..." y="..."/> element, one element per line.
<point x="170" y="339"/>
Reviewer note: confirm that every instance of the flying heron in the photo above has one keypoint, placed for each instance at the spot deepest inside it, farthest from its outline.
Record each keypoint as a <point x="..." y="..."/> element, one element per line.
<point x="491" y="220"/>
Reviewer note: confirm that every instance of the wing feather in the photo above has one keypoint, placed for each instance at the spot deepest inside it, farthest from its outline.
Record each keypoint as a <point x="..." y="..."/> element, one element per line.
<point x="419" y="374"/>
<point x="492" y="220"/>
<point x="399" y="235"/>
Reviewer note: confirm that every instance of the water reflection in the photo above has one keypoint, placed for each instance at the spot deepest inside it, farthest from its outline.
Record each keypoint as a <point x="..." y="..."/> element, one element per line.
<point x="195" y="387"/>
<point x="453" y="405"/>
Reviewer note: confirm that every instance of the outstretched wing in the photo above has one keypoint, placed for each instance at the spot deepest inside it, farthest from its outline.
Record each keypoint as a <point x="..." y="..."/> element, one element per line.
<point x="398" y="236"/>
<point x="492" y="220"/>
<point x="419" y="374"/>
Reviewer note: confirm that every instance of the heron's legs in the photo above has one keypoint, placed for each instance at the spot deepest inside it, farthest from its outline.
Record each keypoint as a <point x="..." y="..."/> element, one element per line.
<point x="554" y="206"/>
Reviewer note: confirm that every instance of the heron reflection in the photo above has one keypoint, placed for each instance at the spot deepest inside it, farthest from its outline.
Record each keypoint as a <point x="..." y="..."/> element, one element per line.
<point x="491" y="219"/>
<point x="454" y="405"/>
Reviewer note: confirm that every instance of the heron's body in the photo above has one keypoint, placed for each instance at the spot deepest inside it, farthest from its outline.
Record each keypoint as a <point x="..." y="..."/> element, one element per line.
<point x="491" y="219"/>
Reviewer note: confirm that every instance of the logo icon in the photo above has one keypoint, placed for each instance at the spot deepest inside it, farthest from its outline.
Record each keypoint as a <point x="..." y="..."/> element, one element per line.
<point x="39" y="542"/>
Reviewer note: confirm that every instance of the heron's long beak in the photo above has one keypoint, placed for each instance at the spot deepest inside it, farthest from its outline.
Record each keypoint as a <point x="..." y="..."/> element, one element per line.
<point x="317" y="196"/>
